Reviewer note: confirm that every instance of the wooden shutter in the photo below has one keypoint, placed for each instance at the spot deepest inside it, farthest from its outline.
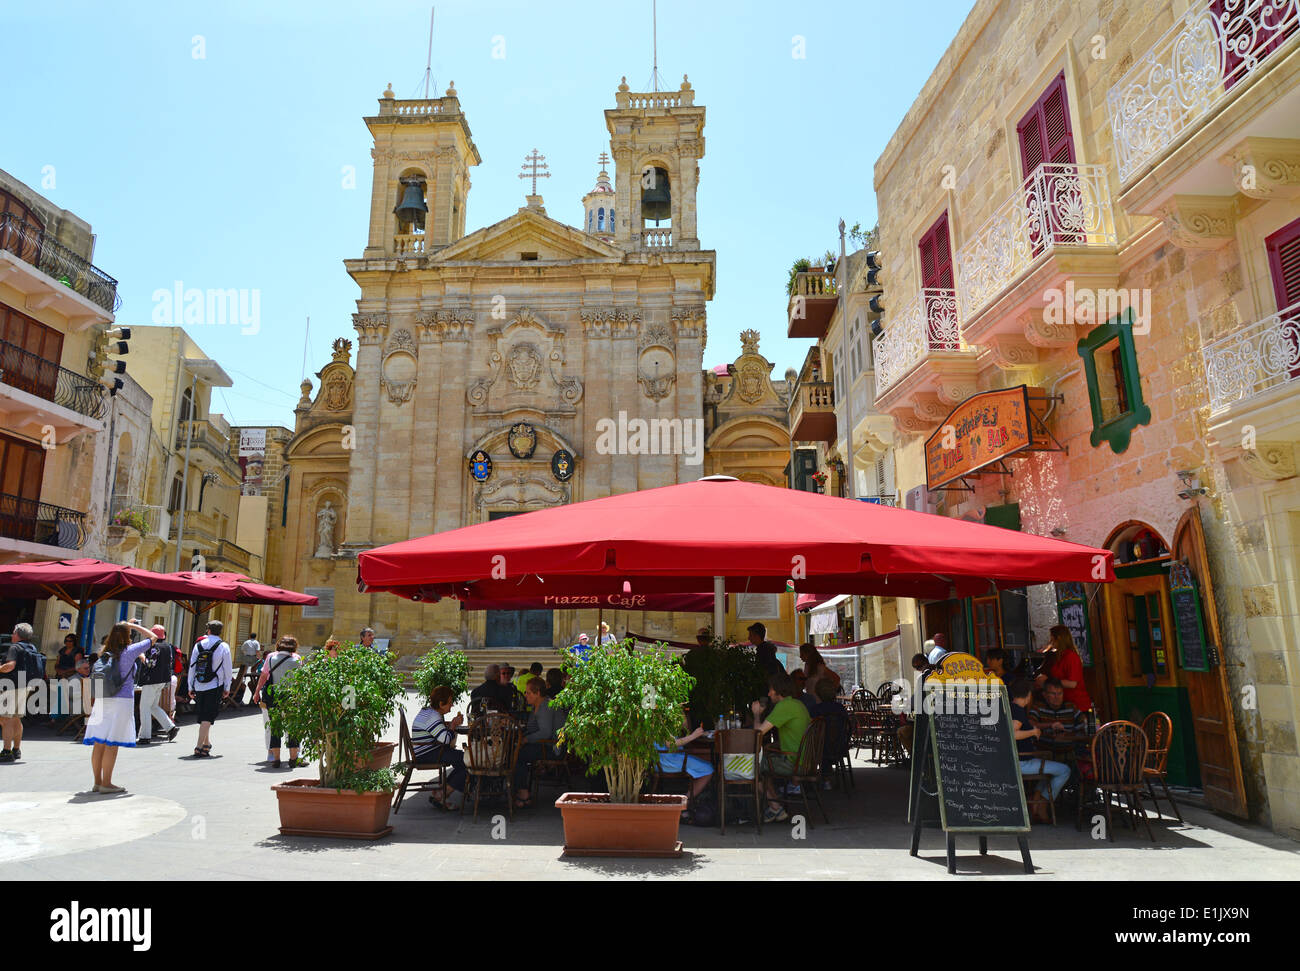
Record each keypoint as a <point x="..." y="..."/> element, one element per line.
<point x="1045" y="133"/>
<point x="1284" y="263"/>
<point x="1212" y="716"/>
<point x="936" y="256"/>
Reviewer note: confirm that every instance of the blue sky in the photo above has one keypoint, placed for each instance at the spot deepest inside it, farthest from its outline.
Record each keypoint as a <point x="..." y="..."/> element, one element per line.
<point x="227" y="170"/>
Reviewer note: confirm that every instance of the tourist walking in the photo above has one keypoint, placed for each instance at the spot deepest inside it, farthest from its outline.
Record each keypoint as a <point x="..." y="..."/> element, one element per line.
<point x="278" y="666"/>
<point x="154" y="675"/>
<point x="13" y="699"/>
<point x="249" y="649"/>
<point x="111" y="724"/>
<point x="209" y="682"/>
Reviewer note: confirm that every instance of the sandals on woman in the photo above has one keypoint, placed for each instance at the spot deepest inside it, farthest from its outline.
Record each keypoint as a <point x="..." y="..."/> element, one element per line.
<point x="203" y="751"/>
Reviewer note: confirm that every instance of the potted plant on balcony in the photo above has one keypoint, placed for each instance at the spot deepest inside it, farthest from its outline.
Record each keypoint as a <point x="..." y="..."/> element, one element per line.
<point x="620" y="705"/>
<point x="820" y="477"/>
<point x="338" y="707"/>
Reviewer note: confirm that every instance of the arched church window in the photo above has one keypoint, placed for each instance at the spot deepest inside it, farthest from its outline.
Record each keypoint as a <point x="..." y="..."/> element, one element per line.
<point x="600" y="219"/>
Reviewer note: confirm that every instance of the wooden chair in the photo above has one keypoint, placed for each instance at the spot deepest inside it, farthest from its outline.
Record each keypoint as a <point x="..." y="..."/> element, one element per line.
<point x="1032" y="779"/>
<point x="429" y="763"/>
<point x="491" y="751"/>
<point x="77" y="721"/>
<point x="739" y="742"/>
<point x="807" y="767"/>
<point x="236" y="688"/>
<point x="839" y="734"/>
<point x="1159" y="730"/>
<point x="1119" y="758"/>
<point x="554" y="767"/>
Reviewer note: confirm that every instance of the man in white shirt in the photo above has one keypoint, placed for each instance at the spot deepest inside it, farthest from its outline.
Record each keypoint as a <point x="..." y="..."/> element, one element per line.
<point x="248" y="650"/>
<point x="210" y="675"/>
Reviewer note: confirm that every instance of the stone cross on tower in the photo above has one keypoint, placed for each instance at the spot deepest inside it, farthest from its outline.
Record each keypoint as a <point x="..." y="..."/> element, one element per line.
<point x="537" y="163"/>
<point x="603" y="160"/>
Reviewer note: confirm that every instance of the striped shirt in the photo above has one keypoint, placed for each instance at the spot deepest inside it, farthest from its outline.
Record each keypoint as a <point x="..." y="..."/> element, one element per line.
<point x="1067" y="715"/>
<point x="429" y="730"/>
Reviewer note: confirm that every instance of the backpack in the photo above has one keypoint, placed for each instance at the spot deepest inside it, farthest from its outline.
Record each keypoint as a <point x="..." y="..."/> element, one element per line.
<point x="204" y="668"/>
<point x="268" y="698"/>
<point x="109" y="672"/>
<point x="30" y="663"/>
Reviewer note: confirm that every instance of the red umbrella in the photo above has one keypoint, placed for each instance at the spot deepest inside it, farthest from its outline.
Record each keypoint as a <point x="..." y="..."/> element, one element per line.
<point x="756" y="536"/>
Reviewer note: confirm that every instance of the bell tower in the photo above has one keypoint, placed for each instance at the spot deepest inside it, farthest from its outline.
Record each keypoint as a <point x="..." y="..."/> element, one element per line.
<point x="657" y="139"/>
<point x="423" y="152"/>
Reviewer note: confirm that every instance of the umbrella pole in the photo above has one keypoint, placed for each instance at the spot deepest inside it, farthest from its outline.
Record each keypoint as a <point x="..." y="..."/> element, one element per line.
<point x="719" y="606"/>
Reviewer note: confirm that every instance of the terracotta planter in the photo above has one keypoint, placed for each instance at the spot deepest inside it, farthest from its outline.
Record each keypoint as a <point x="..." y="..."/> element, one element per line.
<point x="593" y="826"/>
<point x="381" y="756"/>
<point x="308" y="810"/>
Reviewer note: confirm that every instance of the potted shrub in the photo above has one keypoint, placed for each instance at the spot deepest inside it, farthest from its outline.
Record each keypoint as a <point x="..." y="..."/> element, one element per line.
<point x="337" y="707"/>
<point x="727" y="678"/>
<point x="620" y="704"/>
<point x="442" y="667"/>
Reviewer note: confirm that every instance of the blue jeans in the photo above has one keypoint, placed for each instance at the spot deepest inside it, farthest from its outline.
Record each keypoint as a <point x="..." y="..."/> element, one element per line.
<point x="1059" y="771"/>
<point x="454" y="759"/>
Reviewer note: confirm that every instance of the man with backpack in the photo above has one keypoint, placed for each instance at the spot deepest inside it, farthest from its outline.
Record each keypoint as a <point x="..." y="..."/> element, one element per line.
<point x="153" y="673"/>
<point x="22" y="666"/>
<point x="209" y="681"/>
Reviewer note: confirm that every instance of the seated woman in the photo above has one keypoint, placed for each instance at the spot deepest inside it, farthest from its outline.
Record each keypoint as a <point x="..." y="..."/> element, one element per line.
<point x="543" y="724"/>
<point x="1025" y="733"/>
<point x="698" y="769"/>
<point x="555" y="680"/>
<point x="65" y="664"/>
<point x="433" y="737"/>
<point x="803" y="689"/>
<point x="836" y="716"/>
<point x="816" y="669"/>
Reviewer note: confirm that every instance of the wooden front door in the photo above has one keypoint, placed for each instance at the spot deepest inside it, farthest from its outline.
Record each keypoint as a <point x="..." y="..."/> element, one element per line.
<point x="1212" y="716"/>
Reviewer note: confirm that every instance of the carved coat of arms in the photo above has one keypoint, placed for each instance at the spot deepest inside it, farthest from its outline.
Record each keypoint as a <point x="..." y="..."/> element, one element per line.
<point x="522" y="440"/>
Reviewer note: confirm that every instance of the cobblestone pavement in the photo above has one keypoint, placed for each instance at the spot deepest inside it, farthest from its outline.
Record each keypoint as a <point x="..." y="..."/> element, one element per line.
<point x="186" y="818"/>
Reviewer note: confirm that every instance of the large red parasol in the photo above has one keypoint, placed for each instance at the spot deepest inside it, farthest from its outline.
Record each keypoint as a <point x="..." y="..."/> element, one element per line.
<point x="677" y="538"/>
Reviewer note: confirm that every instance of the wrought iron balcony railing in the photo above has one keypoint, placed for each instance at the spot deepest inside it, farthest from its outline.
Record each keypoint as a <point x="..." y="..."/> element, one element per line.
<point x="1059" y="204"/>
<point x="929" y="323"/>
<point x="21" y="369"/>
<point x="130" y="511"/>
<point x="1256" y="358"/>
<point x="891" y="501"/>
<point x="37" y="247"/>
<point x="1190" y="71"/>
<point x="39" y="522"/>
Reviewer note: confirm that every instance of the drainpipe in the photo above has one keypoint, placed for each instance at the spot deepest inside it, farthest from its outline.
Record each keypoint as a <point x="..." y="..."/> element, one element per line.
<point x="842" y="272"/>
<point x="185" y="479"/>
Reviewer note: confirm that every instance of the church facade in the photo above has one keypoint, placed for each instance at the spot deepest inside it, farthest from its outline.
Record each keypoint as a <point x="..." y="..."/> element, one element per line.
<point x="491" y="367"/>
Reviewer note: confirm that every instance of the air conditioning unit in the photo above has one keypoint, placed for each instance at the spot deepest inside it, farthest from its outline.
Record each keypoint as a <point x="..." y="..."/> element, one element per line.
<point x="919" y="499"/>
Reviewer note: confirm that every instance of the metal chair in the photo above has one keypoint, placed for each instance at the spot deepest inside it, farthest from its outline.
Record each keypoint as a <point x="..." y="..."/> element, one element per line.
<point x="1119" y="758"/>
<point x="430" y="763"/>
<point x="1159" y="730"/>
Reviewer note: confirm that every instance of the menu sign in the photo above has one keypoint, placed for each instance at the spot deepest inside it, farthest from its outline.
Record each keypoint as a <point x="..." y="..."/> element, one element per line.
<point x="981" y="430"/>
<point x="1074" y="615"/>
<point x="1189" y="623"/>
<point x="978" y="771"/>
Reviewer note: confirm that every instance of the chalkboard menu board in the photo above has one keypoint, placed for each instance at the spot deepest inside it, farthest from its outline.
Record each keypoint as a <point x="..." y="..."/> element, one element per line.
<point x="977" y="769"/>
<point x="1074" y="615"/>
<point x="1192" y="653"/>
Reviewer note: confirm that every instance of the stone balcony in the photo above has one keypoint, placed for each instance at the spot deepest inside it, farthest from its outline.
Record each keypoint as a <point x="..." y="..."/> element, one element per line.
<point x="812" y="304"/>
<point x="1249" y="368"/>
<point x="1203" y="61"/>
<point x="1056" y="228"/>
<point x="812" y="412"/>
<point x="408" y="245"/>
<point x="923" y="365"/>
<point x="209" y="443"/>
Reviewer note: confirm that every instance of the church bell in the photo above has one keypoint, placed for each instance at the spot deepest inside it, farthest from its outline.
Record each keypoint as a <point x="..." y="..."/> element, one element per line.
<point x="656" y="200"/>
<point x="411" y="208"/>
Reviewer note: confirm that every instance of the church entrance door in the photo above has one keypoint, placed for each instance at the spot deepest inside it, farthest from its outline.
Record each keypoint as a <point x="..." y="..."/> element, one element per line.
<point x="518" y="628"/>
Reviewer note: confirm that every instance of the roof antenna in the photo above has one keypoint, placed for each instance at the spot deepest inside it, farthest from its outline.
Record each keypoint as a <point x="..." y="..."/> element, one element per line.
<point x="654" y="71"/>
<point x="428" y="61"/>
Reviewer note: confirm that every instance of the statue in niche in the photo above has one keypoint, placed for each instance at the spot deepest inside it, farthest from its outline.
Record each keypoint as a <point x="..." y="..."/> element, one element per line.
<point x="325" y="520"/>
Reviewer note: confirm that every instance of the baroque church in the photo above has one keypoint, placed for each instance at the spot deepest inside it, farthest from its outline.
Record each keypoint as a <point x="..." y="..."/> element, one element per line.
<point x="487" y="363"/>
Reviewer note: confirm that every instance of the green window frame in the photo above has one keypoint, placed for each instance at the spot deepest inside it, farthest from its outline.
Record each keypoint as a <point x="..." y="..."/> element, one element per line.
<point x="1117" y="430"/>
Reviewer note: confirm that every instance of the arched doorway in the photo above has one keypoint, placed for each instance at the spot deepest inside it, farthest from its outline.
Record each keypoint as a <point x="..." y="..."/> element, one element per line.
<point x="1140" y="672"/>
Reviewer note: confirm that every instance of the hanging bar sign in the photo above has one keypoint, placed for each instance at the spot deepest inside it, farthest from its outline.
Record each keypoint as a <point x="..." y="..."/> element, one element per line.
<point x="980" y="432"/>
